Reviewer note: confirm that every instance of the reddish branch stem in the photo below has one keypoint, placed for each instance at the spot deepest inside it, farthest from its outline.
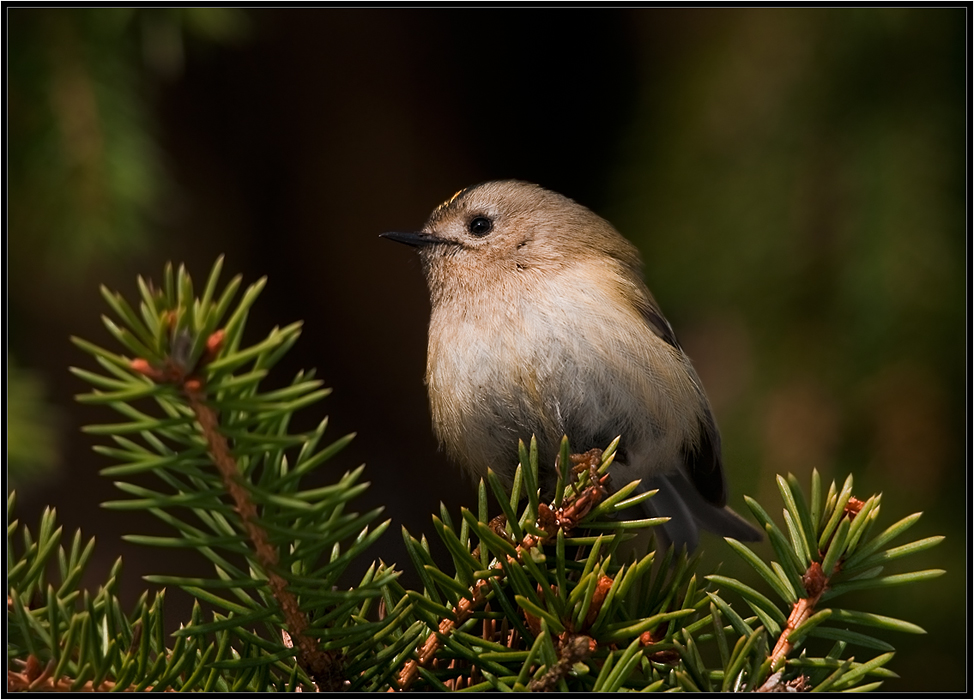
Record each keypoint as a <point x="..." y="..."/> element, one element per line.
<point x="550" y="520"/>
<point x="816" y="583"/>
<point x="323" y="667"/>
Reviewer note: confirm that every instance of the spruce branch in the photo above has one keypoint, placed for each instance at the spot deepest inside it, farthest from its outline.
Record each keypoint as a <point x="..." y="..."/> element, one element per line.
<point x="544" y="596"/>
<point x="566" y="612"/>
<point x="827" y="553"/>
<point x="550" y="521"/>
<point x="220" y="438"/>
<point x="62" y="639"/>
<point x="323" y="667"/>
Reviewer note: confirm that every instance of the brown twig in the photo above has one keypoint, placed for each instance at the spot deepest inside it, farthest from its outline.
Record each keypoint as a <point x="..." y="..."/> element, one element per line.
<point x="18" y="683"/>
<point x="550" y="520"/>
<point x="323" y="667"/>
<point x="572" y="648"/>
<point x="774" y="684"/>
<point x="432" y="644"/>
<point x="816" y="582"/>
<point x="34" y="678"/>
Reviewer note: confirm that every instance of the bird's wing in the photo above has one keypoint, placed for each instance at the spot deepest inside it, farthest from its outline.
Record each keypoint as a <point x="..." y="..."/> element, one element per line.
<point x="701" y="459"/>
<point x="657" y="322"/>
<point x="703" y="463"/>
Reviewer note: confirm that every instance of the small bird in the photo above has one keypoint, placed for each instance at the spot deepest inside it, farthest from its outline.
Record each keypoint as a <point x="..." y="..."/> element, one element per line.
<point x="541" y="325"/>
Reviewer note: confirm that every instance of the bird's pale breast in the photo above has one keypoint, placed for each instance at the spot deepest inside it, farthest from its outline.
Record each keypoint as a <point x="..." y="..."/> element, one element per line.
<point x="558" y="360"/>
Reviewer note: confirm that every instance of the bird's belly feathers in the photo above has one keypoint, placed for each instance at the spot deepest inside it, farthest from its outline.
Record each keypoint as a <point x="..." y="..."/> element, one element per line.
<point x="509" y="369"/>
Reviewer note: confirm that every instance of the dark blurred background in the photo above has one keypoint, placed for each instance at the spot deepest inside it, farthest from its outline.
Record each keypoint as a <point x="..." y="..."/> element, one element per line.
<point x="795" y="179"/>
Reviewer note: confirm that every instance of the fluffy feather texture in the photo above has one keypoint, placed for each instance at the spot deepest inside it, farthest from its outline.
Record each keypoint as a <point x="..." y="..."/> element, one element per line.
<point x="541" y="325"/>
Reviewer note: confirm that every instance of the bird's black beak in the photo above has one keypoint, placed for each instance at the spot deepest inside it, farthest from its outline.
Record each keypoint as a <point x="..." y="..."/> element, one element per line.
<point x="416" y="239"/>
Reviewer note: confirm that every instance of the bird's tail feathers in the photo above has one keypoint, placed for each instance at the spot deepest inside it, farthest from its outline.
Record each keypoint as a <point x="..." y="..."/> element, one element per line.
<point x="688" y="512"/>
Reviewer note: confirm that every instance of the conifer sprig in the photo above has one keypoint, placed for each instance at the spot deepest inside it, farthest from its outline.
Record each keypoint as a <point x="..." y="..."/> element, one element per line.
<point x="827" y="553"/>
<point x="537" y="593"/>
<point x="551" y="594"/>
<point x="231" y="470"/>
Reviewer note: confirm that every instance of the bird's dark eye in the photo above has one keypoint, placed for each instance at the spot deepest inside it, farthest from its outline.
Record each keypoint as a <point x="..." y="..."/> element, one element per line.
<point x="480" y="226"/>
